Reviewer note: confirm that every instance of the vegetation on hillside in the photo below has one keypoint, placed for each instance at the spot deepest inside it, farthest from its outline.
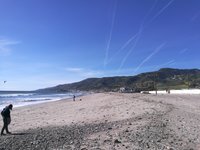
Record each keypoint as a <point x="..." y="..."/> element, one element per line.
<point x="166" y="78"/>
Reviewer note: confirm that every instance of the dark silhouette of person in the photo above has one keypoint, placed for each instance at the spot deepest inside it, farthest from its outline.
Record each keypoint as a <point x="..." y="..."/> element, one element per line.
<point x="74" y="98"/>
<point x="6" y="118"/>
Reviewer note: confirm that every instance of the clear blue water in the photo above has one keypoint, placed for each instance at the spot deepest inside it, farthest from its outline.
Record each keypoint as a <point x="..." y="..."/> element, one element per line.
<point x="29" y="98"/>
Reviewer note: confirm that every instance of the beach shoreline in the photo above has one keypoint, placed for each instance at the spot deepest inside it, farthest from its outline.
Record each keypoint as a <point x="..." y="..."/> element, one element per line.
<point x="108" y="121"/>
<point x="27" y="99"/>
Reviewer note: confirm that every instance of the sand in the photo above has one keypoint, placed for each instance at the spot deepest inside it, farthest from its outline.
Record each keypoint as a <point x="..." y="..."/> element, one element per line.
<point x="108" y="121"/>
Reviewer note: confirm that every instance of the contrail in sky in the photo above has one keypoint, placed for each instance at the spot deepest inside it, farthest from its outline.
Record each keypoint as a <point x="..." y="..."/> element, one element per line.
<point x="123" y="47"/>
<point x="165" y="64"/>
<point x="144" y="26"/>
<point x="171" y="61"/>
<point x="135" y="35"/>
<point x="149" y="12"/>
<point x="161" y="10"/>
<point x="138" y="36"/>
<point x="110" y="35"/>
<point x="150" y="56"/>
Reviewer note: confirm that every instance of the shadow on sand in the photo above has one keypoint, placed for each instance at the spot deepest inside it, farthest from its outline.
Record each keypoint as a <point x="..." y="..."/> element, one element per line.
<point x="20" y="133"/>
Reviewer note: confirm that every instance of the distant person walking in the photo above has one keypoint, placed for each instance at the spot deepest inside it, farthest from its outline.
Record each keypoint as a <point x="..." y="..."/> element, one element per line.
<point x="6" y="118"/>
<point x="74" y="97"/>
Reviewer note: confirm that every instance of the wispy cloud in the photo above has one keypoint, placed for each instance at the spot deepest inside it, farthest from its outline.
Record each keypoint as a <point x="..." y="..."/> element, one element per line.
<point x="74" y="69"/>
<point x="84" y="72"/>
<point x="5" y="46"/>
<point x="150" y="56"/>
<point x="87" y="73"/>
<point x="183" y="50"/>
<point x="195" y="16"/>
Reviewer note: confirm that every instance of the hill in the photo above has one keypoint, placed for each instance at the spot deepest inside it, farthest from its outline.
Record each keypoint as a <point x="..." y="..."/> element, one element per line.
<point x="162" y="79"/>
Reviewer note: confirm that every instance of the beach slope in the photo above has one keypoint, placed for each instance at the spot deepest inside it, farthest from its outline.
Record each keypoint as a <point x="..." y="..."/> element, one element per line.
<point x="108" y="121"/>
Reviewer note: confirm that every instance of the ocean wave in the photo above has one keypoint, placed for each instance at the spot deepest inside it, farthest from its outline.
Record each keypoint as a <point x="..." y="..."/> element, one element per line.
<point x="23" y="99"/>
<point x="16" y="95"/>
<point x="35" y="100"/>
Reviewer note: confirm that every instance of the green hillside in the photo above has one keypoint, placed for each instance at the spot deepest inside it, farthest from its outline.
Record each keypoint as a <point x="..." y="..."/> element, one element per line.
<point x="162" y="79"/>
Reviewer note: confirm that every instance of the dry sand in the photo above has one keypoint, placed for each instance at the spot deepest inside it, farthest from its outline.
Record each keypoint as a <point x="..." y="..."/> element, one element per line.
<point x="108" y="121"/>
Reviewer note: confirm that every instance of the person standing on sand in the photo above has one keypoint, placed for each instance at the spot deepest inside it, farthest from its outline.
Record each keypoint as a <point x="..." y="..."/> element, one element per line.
<point x="6" y="118"/>
<point x="74" y="98"/>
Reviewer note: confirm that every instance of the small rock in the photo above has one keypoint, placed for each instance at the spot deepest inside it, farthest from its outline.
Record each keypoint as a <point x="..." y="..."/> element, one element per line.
<point x="147" y="145"/>
<point x="117" y="141"/>
<point x="159" y="140"/>
<point x="129" y="123"/>
<point x="126" y="130"/>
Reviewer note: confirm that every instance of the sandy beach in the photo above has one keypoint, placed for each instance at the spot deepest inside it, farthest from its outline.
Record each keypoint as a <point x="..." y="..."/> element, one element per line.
<point x="108" y="121"/>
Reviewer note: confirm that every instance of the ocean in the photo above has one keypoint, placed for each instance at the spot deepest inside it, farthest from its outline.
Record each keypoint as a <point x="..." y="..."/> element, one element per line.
<point x="19" y="99"/>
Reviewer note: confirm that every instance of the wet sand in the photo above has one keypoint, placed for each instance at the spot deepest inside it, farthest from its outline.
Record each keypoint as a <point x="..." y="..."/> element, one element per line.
<point x="108" y="121"/>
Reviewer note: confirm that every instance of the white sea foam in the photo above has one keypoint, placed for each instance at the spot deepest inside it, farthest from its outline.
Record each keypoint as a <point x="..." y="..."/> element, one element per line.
<point x="23" y="99"/>
<point x="15" y="94"/>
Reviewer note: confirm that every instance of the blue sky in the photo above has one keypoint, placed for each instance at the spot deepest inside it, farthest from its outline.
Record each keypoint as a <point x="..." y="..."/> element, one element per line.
<point x="44" y="43"/>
